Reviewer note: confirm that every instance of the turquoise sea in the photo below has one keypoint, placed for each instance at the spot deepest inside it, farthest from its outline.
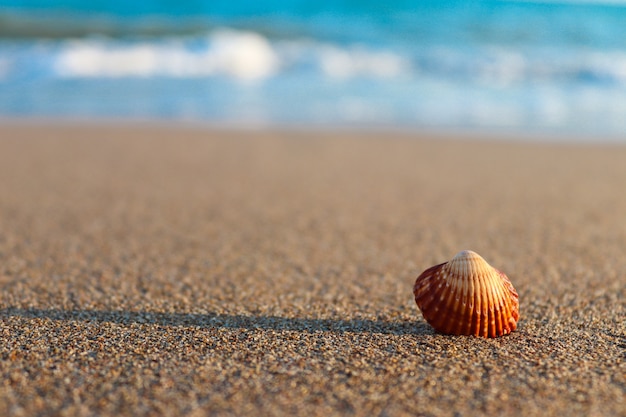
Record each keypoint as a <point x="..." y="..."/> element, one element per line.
<point x="533" y="66"/>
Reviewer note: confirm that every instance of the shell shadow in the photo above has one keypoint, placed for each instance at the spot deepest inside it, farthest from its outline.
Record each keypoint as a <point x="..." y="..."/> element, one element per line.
<point x="229" y="321"/>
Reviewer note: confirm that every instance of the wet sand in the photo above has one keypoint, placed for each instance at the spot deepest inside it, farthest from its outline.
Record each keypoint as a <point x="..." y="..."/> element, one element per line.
<point x="159" y="270"/>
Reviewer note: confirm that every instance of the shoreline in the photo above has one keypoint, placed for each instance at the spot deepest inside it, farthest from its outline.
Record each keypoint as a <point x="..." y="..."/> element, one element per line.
<point x="497" y="135"/>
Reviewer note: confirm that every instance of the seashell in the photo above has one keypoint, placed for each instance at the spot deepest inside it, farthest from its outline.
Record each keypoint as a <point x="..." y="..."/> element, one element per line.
<point x="467" y="296"/>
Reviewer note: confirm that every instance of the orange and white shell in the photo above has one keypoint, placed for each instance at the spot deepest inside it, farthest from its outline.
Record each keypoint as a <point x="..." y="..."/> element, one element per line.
<point x="467" y="296"/>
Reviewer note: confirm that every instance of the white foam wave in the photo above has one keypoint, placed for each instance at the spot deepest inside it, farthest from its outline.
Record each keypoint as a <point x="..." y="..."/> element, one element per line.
<point x="242" y="55"/>
<point x="238" y="54"/>
<point x="248" y="56"/>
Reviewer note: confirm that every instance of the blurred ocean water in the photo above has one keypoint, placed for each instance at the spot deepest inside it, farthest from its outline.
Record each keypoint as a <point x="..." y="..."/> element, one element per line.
<point x="538" y="66"/>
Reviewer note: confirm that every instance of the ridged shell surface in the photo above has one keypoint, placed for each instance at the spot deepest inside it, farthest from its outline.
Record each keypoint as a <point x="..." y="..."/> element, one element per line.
<point x="467" y="296"/>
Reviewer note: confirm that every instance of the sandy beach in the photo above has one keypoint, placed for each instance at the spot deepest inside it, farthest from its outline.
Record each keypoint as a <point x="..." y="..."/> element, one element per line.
<point x="160" y="270"/>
